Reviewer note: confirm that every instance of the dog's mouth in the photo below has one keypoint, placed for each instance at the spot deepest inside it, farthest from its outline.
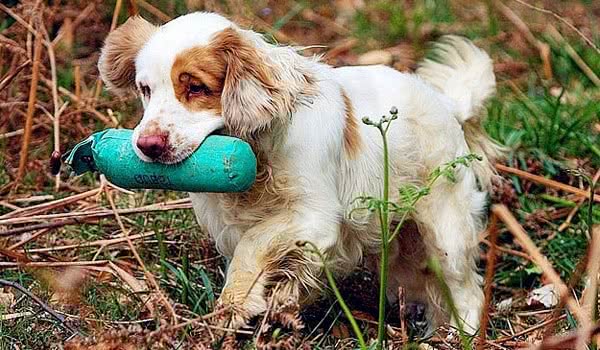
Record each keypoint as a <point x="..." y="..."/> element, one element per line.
<point x="178" y="153"/>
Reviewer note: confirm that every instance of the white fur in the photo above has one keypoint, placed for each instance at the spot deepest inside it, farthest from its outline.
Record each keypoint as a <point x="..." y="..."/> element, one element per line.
<point x="321" y="180"/>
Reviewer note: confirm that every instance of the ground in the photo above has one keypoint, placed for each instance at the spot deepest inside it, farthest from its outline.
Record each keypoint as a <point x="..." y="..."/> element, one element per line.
<point x="102" y="288"/>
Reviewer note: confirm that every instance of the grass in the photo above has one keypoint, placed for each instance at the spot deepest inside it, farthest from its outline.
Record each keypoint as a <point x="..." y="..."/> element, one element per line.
<point x="549" y="126"/>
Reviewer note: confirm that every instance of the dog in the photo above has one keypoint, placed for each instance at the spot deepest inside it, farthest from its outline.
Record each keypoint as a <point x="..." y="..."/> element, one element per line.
<point x="200" y="74"/>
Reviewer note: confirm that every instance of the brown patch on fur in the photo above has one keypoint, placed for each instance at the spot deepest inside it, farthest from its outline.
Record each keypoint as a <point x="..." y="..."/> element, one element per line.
<point x="352" y="140"/>
<point x="199" y="66"/>
<point x="117" y="59"/>
<point x="245" y="111"/>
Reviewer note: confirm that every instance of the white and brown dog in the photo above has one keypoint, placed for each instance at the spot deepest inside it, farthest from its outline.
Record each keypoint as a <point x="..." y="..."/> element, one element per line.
<point x="201" y="73"/>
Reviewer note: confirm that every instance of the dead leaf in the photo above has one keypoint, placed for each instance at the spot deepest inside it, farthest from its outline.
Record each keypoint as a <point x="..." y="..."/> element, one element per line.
<point x="340" y="331"/>
<point x="546" y="295"/>
<point x="7" y="299"/>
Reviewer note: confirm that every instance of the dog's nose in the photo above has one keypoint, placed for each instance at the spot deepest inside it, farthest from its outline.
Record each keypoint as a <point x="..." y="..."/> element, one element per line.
<point x="153" y="146"/>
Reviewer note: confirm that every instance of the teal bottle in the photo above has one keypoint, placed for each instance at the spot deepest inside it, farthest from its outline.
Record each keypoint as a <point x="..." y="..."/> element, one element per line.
<point x="220" y="164"/>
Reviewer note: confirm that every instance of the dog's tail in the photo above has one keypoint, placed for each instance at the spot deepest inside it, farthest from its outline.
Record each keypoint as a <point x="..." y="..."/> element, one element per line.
<point x="464" y="72"/>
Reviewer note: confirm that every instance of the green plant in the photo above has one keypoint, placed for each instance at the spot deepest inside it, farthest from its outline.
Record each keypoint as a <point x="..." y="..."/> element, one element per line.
<point x="409" y="195"/>
<point x="546" y="124"/>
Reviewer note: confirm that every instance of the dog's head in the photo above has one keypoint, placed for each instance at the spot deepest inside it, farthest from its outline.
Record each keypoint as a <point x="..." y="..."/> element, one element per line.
<point x="196" y="74"/>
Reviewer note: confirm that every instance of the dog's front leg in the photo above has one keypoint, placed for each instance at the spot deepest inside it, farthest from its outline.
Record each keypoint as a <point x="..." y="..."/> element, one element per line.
<point x="268" y="255"/>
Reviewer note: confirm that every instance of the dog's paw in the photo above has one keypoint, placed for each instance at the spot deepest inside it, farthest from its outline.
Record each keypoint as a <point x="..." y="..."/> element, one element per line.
<point x="416" y="318"/>
<point x="240" y="307"/>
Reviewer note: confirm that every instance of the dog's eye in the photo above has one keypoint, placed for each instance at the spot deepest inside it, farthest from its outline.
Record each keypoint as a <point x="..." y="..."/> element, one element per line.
<point x="199" y="89"/>
<point x="145" y="90"/>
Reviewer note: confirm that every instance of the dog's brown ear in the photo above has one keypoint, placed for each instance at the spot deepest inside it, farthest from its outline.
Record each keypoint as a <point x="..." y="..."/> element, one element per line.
<point x="117" y="58"/>
<point x="251" y="97"/>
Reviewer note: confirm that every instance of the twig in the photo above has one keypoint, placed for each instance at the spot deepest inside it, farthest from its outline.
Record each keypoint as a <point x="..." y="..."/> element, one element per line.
<point x="571" y="215"/>
<point x="489" y="279"/>
<point x="402" y="314"/>
<point x="508" y="250"/>
<point x="590" y="294"/>
<point x="555" y="34"/>
<point x="312" y="16"/>
<point x="40" y="303"/>
<point x="52" y="263"/>
<point x="22" y="22"/>
<point x="29" y="239"/>
<point x="562" y="19"/>
<point x="154" y="11"/>
<point x="11" y="75"/>
<point x="139" y="260"/>
<point x="531" y="329"/>
<point x="543" y="48"/>
<point x="80" y="18"/>
<point x="569" y="341"/>
<point x="101" y="117"/>
<point x="40" y="208"/>
<point x="546" y="182"/>
<point x="573" y="281"/>
<point x="98" y="243"/>
<point x="57" y="108"/>
<point x="527" y="244"/>
<point x="35" y="73"/>
<point x="172" y="205"/>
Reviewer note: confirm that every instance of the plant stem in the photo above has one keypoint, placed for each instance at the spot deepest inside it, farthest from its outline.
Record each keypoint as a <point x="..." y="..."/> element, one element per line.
<point x="338" y="296"/>
<point x="385" y="227"/>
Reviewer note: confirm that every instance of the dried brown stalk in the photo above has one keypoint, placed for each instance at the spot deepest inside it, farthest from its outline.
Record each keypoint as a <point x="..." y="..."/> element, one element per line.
<point x="139" y="260"/>
<point x="154" y="10"/>
<point x="530" y="329"/>
<point x="38" y="301"/>
<point x="571" y="340"/>
<point x="99" y="243"/>
<point x="11" y="75"/>
<point x="29" y="239"/>
<point x="175" y="204"/>
<point x="507" y="250"/>
<point x="562" y="19"/>
<point x="42" y="264"/>
<point x="543" y="48"/>
<point x="76" y="22"/>
<point x="546" y="182"/>
<point x="35" y="73"/>
<point x="489" y="280"/>
<point x="590" y="294"/>
<point x="40" y="208"/>
<point x="527" y="244"/>
<point x="555" y="34"/>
